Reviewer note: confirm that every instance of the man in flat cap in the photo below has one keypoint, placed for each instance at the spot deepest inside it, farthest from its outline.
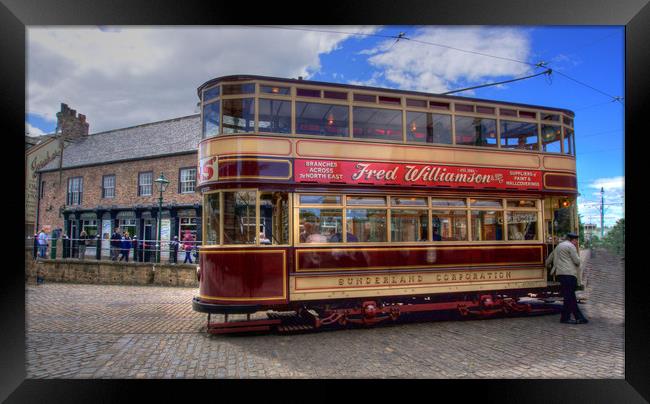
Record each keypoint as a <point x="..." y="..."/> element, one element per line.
<point x="566" y="265"/>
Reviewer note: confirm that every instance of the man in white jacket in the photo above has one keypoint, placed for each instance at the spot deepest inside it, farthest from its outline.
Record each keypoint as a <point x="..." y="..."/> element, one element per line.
<point x="566" y="265"/>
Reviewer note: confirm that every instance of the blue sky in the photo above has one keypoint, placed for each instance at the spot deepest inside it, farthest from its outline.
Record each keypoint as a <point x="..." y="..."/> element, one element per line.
<point x="126" y="76"/>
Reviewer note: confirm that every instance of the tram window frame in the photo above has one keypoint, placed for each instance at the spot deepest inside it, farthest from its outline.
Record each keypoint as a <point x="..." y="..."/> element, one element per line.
<point x="555" y="142"/>
<point x="208" y="210"/>
<point x="274" y="239"/>
<point x="302" y="237"/>
<point x="450" y="213"/>
<point x="335" y="122"/>
<point x="248" y="113"/>
<point x="507" y="219"/>
<point x="423" y="232"/>
<point x="477" y="234"/>
<point x="211" y="119"/>
<point x="274" y="119"/>
<point x="520" y="130"/>
<point x="437" y="128"/>
<point x="369" y="212"/>
<point x="211" y="93"/>
<point x="254" y="223"/>
<point x="568" y="141"/>
<point x="256" y="90"/>
<point x="480" y="138"/>
<point x="371" y="127"/>
<point x="462" y="207"/>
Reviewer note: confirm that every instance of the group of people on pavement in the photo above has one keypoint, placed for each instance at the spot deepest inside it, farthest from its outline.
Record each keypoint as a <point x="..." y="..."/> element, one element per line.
<point x="121" y="244"/>
<point x="188" y="245"/>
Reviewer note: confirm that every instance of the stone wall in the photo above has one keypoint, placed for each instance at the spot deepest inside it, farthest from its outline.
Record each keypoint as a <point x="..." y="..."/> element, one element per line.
<point x="109" y="272"/>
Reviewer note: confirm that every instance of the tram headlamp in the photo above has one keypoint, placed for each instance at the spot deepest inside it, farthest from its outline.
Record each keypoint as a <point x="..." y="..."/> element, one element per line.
<point x="565" y="203"/>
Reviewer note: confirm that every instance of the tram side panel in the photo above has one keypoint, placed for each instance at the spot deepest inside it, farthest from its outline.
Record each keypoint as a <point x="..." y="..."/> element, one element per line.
<point x="359" y="272"/>
<point x="244" y="276"/>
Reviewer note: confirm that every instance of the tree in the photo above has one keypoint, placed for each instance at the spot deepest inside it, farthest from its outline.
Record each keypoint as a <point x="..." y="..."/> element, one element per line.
<point x="614" y="241"/>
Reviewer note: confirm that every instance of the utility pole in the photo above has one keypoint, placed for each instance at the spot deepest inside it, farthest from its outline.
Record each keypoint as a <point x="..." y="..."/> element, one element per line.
<point x="602" y="212"/>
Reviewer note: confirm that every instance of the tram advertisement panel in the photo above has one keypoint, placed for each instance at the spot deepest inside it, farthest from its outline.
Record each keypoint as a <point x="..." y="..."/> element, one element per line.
<point x="354" y="172"/>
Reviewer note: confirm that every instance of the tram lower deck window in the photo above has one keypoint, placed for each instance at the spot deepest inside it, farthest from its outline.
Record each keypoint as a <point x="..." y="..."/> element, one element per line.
<point x="487" y="225"/>
<point x="321" y="225"/>
<point x="367" y="225"/>
<point x="409" y="225"/>
<point x="239" y="225"/>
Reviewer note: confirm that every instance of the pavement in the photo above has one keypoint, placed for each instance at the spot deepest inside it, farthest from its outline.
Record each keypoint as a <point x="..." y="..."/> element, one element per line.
<point x="106" y="331"/>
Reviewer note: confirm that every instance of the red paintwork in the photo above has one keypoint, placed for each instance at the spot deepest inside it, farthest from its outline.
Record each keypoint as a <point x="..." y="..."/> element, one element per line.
<point x="392" y="258"/>
<point x="560" y="181"/>
<point x="280" y="169"/>
<point x="354" y="172"/>
<point x="243" y="277"/>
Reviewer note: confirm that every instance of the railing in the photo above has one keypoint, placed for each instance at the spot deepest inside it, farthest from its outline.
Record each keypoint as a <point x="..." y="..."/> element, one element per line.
<point x="132" y="250"/>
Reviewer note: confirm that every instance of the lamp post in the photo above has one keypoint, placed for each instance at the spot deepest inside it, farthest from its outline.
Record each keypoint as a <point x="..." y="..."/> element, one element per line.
<point x="161" y="183"/>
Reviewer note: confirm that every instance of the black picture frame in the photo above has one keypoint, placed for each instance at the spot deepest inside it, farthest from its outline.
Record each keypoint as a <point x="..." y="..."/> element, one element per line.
<point x="16" y="15"/>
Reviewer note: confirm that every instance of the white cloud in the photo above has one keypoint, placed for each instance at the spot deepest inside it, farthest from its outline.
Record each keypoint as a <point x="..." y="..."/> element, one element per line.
<point x="122" y="76"/>
<point x="417" y="66"/>
<point x="33" y="131"/>
<point x="613" y="183"/>
<point x="613" y="198"/>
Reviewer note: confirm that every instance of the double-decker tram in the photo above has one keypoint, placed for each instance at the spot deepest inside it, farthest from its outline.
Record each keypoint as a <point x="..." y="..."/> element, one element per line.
<point x="334" y="204"/>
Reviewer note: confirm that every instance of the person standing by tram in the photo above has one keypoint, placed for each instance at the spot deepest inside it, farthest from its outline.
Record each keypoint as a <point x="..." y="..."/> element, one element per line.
<point x="565" y="262"/>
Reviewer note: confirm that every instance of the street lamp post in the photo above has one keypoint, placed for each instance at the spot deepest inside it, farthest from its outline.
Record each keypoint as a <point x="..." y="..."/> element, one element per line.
<point x="162" y="183"/>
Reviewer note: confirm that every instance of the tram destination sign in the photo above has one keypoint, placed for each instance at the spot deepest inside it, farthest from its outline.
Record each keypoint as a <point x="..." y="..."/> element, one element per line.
<point x="354" y="172"/>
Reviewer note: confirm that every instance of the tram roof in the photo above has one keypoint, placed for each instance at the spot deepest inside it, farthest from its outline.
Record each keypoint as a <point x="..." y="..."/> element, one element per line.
<point x="244" y="77"/>
<point x="172" y="136"/>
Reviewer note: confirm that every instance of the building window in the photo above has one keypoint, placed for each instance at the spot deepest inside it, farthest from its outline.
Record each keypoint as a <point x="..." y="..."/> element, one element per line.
<point x="187" y="225"/>
<point x="108" y="186"/>
<point x="90" y="227"/>
<point x="187" y="180"/>
<point x="75" y="190"/>
<point x="127" y="225"/>
<point x="42" y="193"/>
<point x="145" y="180"/>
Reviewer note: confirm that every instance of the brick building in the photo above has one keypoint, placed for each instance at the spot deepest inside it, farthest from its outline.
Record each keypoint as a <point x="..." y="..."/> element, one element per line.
<point x="107" y="179"/>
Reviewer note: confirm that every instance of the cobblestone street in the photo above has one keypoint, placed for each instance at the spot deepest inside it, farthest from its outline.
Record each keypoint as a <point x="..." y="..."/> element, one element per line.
<point x="101" y="331"/>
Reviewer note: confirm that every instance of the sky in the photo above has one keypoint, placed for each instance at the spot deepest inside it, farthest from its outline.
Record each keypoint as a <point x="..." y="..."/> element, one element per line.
<point x="125" y="76"/>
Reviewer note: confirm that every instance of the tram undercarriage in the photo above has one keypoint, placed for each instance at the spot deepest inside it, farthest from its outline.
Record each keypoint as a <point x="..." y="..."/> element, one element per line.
<point x="370" y="312"/>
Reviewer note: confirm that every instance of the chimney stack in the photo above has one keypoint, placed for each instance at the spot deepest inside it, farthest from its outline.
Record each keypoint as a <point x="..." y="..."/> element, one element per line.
<point x="69" y="125"/>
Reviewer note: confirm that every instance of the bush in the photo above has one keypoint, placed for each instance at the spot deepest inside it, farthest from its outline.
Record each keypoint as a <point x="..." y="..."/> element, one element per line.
<point x="614" y="240"/>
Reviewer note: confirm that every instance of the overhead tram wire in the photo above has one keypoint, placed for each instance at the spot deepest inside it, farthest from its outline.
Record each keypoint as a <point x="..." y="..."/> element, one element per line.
<point x="547" y="71"/>
<point x="401" y="35"/>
